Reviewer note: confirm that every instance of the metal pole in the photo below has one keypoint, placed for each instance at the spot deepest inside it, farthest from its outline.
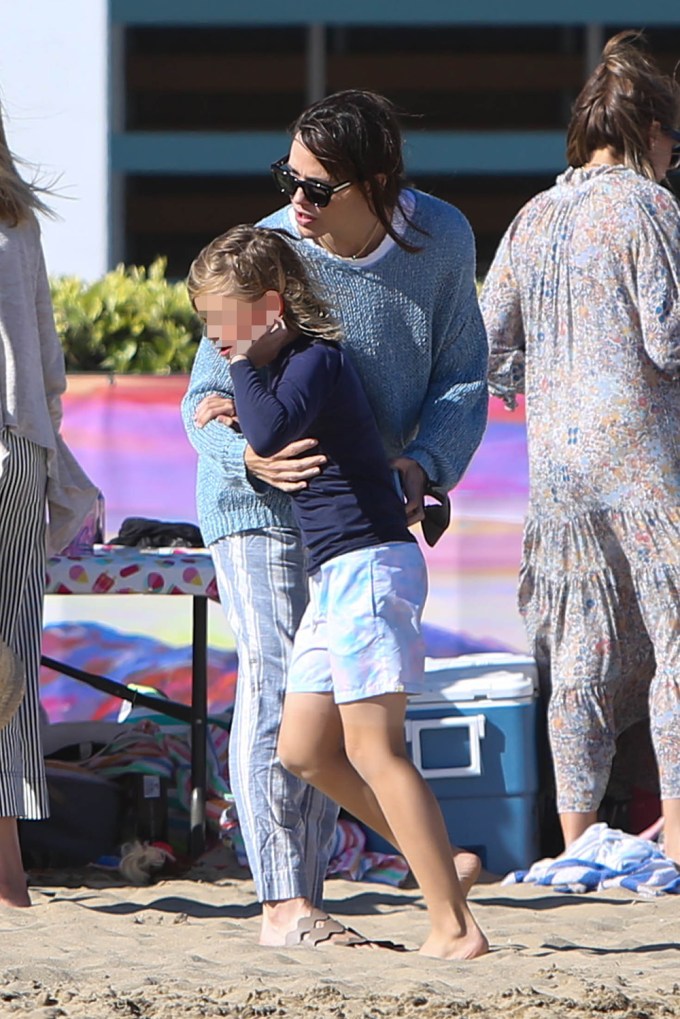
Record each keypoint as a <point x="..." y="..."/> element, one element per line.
<point x="116" y="113"/>
<point x="316" y="63"/>
<point x="199" y="715"/>
<point x="594" y="44"/>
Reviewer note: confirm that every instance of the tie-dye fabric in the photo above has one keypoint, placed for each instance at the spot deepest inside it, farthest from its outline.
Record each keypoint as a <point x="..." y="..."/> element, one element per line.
<point x="360" y="635"/>
<point x="582" y="309"/>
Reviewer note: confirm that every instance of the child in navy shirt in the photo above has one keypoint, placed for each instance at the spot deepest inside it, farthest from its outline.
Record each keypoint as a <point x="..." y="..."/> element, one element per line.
<point x="358" y="651"/>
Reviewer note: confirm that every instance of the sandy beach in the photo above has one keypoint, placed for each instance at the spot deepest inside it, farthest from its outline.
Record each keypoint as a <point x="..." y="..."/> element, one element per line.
<point x="93" y="947"/>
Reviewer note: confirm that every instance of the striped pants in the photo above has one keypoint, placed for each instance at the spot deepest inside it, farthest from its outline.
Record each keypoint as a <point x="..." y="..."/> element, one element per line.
<point x="23" y="480"/>
<point x="287" y="826"/>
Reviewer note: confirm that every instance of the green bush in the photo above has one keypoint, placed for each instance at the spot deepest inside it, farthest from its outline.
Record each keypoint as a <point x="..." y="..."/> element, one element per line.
<point x="130" y="320"/>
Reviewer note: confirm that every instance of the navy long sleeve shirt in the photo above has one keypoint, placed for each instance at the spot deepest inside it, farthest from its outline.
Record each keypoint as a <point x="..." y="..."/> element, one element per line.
<point x="312" y="390"/>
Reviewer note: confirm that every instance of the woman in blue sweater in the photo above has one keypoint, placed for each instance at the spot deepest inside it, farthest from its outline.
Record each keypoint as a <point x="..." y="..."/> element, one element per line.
<point x="398" y="268"/>
<point x="358" y="651"/>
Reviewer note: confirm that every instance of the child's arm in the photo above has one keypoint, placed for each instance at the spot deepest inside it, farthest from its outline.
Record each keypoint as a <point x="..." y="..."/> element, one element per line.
<point x="271" y="420"/>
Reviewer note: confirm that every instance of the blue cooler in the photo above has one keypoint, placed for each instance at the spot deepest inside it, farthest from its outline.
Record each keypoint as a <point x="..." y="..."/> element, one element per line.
<point x="473" y="734"/>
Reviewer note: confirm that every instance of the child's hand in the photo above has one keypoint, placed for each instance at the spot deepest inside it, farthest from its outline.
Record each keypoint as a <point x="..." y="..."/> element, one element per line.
<point x="216" y="408"/>
<point x="268" y="346"/>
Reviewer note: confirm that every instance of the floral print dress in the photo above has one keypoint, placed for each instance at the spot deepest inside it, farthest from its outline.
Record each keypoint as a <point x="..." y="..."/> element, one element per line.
<point x="582" y="309"/>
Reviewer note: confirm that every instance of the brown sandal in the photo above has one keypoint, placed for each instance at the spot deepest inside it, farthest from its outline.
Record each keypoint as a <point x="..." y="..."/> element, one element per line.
<point x="313" y="930"/>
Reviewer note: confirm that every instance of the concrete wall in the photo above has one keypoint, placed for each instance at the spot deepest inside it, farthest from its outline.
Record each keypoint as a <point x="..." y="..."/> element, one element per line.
<point x="53" y="89"/>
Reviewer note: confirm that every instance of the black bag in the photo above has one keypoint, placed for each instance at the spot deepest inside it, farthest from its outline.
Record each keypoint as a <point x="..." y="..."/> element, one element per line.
<point x="141" y="532"/>
<point x="84" y="821"/>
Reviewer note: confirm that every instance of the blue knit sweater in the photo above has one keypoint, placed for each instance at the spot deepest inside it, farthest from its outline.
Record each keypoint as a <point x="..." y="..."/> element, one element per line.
<point x="414" y="331"/>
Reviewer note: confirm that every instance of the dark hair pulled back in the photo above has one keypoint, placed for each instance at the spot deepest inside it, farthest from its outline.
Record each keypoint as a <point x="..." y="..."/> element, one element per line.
<point x="617" y="106"/>
<point x="356" y="136"/>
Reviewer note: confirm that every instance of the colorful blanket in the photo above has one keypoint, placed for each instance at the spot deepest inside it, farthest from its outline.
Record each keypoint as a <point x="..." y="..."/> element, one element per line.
<point x="162" y="747"/>
<point x="148" y="662"/>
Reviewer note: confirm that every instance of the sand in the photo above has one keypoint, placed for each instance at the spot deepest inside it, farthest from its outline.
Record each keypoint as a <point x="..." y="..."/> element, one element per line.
<point x="187" y="946"/>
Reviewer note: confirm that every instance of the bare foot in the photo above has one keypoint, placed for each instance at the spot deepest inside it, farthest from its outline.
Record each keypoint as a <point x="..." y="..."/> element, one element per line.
<point x="281" y="917"/>
<point x="15" y="896"/>
<point x="470" y="945"/>
<point x="669" y="839"/>
<point x="673" y="856"/>
<point x="468" y="868"/>
<point x="292" y="923"/>
<point x="13" y="890"/>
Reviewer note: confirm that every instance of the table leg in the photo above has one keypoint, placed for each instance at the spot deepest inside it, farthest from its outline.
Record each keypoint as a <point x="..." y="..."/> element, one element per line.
<point x="199" y="713"/>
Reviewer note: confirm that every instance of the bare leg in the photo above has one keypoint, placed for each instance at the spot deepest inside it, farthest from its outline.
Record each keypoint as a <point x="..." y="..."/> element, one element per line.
<point x="574" y="825"/>
<point x="374" y="742"/>
<point x="382" y="787"/>
<point x="13" y="891"/>
<point x="311" y="745"/>
<point x="671" y="829"/>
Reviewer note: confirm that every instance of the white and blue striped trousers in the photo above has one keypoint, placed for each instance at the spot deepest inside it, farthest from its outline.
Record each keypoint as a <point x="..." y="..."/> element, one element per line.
<point x="287" y="825"/>
<point x="23" y="480"/>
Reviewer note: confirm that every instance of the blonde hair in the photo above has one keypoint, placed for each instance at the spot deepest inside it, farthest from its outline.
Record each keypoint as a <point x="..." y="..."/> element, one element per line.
<point x="19" y="199"/>
<point x="246" y="262"/>
<point x="618" y="104"/>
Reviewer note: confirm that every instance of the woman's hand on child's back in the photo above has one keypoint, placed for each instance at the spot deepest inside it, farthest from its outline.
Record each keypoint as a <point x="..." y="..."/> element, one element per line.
<point x="288" y="470"/>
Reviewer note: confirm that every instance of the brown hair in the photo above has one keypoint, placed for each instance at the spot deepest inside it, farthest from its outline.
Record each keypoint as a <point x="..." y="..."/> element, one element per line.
<point x="618" y="104"/>
<point x="246" y="262"/>
<point x="19" y="200"/>
<point x="356" y="136"/>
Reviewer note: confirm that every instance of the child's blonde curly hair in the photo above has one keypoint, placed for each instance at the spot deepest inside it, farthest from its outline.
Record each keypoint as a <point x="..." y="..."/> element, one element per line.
<point x="246" y="262"/>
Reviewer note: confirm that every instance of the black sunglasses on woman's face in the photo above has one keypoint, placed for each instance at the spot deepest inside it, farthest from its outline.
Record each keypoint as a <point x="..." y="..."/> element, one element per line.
<point x="315" y="191"/>
<point x="675" y="154"/>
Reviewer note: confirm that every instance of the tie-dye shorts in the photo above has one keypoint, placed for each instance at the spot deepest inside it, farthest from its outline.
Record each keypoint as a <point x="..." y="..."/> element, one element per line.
<point x="360" y="635"/>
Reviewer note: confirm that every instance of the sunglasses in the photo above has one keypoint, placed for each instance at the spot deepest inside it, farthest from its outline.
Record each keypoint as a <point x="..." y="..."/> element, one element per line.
<point x="675" y="153"/>
<point x="315" y="191"/>
<point x="437" y="515"/>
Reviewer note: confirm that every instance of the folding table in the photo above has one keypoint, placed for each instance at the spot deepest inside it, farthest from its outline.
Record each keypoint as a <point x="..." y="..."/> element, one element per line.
<point x="118" y="569"/>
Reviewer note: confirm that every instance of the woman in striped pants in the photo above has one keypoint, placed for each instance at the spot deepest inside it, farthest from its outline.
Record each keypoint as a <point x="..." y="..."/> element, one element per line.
<point x="37" y="474"/>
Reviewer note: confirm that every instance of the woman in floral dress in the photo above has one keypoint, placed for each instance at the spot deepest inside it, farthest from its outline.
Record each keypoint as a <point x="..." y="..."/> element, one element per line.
<point x="582" y="308"/>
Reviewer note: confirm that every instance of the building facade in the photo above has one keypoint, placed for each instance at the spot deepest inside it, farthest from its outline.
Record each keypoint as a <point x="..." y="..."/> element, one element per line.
<point x="202" y="93"/>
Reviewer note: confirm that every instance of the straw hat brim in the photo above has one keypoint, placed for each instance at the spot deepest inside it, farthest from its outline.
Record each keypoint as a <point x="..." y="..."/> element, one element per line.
<point x="12" y="684"/>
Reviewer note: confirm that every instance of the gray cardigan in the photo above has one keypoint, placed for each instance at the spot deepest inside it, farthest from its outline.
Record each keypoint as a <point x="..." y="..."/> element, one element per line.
<point x="32" y="377"/>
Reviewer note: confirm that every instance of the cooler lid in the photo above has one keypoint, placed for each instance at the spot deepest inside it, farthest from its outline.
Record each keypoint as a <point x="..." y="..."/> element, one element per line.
<point x="493" y="676"/>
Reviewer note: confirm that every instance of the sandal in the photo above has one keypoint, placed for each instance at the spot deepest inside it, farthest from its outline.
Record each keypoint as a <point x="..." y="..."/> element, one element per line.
<point x="313" y="930"/>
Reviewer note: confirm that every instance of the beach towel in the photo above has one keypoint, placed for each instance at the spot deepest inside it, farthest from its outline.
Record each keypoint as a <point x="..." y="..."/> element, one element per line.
<point x="603" y="858"/>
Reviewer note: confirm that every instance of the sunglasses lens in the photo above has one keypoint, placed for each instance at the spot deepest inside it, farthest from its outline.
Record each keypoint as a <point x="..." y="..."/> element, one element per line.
<point x="284" y="182"/>
<point x="316" y="194"/>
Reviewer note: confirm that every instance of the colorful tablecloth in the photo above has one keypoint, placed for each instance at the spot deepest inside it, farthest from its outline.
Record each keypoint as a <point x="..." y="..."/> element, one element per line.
<point x="118" y="569"/>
